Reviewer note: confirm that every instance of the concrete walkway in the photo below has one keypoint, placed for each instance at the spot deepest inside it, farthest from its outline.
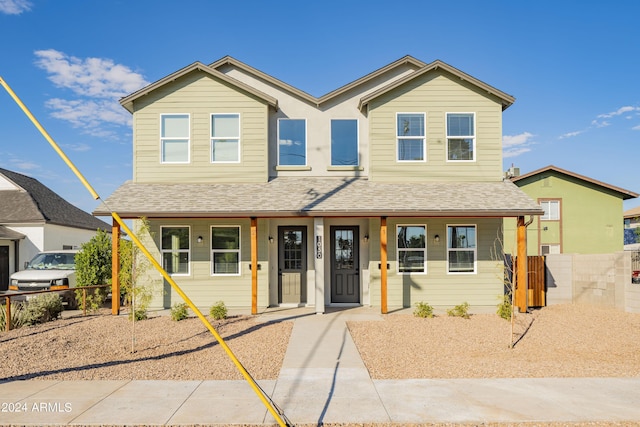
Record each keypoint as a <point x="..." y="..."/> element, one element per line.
<point x="322" y="380"/>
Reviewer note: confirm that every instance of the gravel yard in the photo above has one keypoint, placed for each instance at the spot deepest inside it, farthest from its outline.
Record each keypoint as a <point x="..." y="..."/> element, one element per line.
<point x="562" y="341"/>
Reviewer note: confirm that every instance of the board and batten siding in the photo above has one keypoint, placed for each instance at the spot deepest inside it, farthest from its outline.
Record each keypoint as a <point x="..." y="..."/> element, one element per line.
<point x="482" y="289"/>
<point x="435" y="94"/>
<point x="200" y="95"/>
<point x="199" y="285"/>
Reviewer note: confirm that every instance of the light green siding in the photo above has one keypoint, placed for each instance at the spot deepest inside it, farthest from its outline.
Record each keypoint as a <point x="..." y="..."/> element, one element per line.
<point x="438" y="287"/>
<point x="590" y="218"/>
<point x="200" y="95"/>
<point x="200" y="286"/>
<point x="436" y="94"/>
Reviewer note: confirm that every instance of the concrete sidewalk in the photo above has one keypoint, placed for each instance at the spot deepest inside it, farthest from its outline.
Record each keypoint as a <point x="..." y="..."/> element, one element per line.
<point x="322" y="380"/>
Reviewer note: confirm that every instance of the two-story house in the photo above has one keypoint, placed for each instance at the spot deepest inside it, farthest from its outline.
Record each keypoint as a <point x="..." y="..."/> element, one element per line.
<point x="384" y="192"/>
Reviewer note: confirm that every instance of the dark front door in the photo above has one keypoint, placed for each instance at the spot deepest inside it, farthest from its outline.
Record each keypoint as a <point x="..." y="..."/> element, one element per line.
<point x="4" y="268"/>
<point x="345" y="272"/>
<point x="292" y="265"/>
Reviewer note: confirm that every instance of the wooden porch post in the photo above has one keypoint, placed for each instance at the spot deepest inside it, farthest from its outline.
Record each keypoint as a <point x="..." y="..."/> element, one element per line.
<point x="254" y="265"/>
<point x="383" y="265"/>
<point x="521" y="267"/>
<point x="115" y="268"/>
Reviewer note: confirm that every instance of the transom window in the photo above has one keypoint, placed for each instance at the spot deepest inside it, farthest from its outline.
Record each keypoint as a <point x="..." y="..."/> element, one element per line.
<point x="551" y="210"/>
<point x="175" y="249"/>
<point x="344" y="142"/>
<point x="225" y="138"/>
<point x="174" y="138"/>
<point x="412" y="249"/>
<point x="461" y="138"/>
<point x="410" y="132"/>
<point x="461" y="248"/>
<point x="225" y="250"/>
<point x="292" y="142"/>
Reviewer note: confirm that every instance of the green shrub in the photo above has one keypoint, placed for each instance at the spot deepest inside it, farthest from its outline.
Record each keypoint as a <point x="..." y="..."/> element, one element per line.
<point x="43" y="308"/>
<point x="18" y="316"/>
<point x="461" y="310"/>
<point x="504" y="308"/>
<point x="179" y="311"/>
<point x="218" y="311"/>
<point x="93" y="267"/>
<point x="423" y="309"/>
<point x="138" y="314"/>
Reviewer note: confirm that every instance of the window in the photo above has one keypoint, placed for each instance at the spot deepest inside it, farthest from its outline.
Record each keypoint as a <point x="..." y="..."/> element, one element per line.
<point x="225" y="250"/>
<point x="344" y="143"/>
<point x="461" y="248"/>
<point x="461" y="139"/>
<point x="549" y="249"/>
<point x="411" y="137"/>
<point x="174" y="138"/>
<point x="175" y="250"/>
<point x="292" y="142"/>
<point x="551" y="210"/>
<point x="412" y="250"/>
<point x="225" y="138"/>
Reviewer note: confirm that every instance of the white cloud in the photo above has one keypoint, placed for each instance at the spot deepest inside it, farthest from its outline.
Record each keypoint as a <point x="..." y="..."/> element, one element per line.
<point x="515" y="145"/>
<point x="92" y="77"/>
<point x="77" y="147"/>
<point x="98" y="83"/>
<point x="636" y="127"/>
<point x="618" y="112"/>
<point x="14" y="7"/>
<point x="571" y="134"/>
<point x="24" y="165"/>
<point x="600" y="124"/>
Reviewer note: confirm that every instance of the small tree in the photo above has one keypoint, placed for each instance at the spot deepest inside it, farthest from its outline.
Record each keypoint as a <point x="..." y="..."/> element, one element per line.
<point x="93" y="267"/>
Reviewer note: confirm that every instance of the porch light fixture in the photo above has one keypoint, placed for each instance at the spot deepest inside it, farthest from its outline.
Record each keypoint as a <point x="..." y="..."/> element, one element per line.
<point x="199" y="239"/>
<point x="436" y="238"/>
<point x="270" y="239"/>
<point x="366" y="238"/>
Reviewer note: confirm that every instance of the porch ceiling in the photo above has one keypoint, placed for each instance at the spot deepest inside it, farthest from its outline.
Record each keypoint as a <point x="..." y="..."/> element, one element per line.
<point x="315" y="197"/>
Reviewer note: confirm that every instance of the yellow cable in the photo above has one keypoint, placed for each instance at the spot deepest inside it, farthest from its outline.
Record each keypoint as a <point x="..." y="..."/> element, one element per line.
<point x="155" y="263"/>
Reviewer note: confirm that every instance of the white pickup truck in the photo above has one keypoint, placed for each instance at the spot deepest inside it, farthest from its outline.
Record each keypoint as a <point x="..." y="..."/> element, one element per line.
<point x="49" y="270"/>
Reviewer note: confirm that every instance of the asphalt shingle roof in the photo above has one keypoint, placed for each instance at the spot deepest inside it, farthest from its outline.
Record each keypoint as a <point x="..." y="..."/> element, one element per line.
<point x="308" y="196"/>
<point x="36" y="203"/>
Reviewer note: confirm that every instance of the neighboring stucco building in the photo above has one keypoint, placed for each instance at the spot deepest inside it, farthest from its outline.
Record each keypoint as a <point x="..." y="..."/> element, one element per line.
<point x="631" y="228"/>
<point x="582" y="215"/>
<point x="384" y="192"/>
<point x="33" y="218"/>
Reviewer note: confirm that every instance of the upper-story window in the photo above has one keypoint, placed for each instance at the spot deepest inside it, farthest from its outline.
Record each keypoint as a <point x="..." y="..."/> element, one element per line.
<point x="461" y="136"/>
<point x="174" y="138"/>
<point x="225" y="138"/>
<point x="551" y="210"/>
<point x="292" y="142"/>
<point x="175" y="249"/>
<point x="344" y="142"/>
<point x="411" y="137"/>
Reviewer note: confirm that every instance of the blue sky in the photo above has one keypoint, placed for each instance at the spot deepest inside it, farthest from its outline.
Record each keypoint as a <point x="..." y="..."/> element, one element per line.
<point x="573" y="68"/>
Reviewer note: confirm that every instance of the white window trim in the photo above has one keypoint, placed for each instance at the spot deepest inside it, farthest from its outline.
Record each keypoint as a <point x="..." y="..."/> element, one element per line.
<point x="542" y="217"/>
<point x="239" y="250"/>
<point x="424" y="138"/>
<point x="357" y="141"/>
<point x="212" y="138"/>
<point x="306" y="143"/>
<point x="446" y="122"/>
<point x="188" y="251"/>
<point x="162" y="139"/>
<point x="475" y="250"/>
<point x="407" y="273"/>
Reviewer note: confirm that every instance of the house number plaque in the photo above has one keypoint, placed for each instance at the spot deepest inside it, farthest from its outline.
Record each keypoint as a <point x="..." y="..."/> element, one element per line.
<point x="318" y="247"/>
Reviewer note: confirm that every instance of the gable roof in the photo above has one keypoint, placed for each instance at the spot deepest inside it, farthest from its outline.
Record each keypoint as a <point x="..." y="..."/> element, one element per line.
<point x="228" y="60"/>
<point x="315" y="197"/>
<point x="624" y="194"/>
<point x="506" y="99"/>
<point x="32" y="202"/>
<point x="127" y="101"/>
<point x="632" y="213"/>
